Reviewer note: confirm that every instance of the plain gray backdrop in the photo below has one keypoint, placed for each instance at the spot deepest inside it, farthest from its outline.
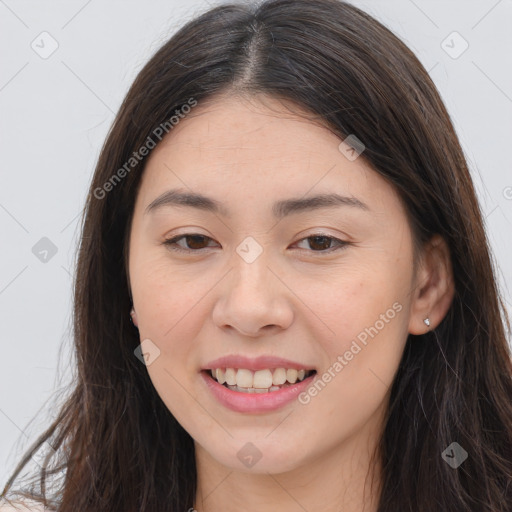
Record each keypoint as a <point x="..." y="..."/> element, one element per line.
<point x="65" y="68"/>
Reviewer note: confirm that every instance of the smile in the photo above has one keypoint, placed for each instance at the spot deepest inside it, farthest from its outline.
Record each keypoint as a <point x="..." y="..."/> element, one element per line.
<point x="255" y="392"/>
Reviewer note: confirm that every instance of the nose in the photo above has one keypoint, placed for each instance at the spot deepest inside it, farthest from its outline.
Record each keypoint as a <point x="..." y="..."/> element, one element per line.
<point x="253" y="300"/>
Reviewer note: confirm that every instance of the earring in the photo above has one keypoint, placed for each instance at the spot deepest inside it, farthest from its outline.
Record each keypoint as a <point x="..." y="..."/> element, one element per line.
<point x="426" y="321"/>
<point x="132" y="312"/>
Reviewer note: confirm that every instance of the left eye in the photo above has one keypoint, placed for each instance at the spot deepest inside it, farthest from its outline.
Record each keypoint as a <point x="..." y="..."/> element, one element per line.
<point x="195" y="242"/>
<point x="323" y="242"/>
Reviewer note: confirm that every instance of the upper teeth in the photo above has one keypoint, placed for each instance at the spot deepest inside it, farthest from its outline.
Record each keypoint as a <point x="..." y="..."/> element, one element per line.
<point x="262" y="379"/>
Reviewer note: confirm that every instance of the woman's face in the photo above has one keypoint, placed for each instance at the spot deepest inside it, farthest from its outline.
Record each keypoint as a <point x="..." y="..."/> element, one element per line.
<point x="268" y="273"/>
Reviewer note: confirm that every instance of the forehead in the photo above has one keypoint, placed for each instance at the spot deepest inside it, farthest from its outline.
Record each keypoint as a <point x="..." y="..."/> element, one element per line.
<point x="240" y="149"/>
<point x="260" y="127"/>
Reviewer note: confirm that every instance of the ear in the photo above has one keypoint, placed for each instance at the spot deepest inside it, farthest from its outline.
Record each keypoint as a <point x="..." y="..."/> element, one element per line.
<point x="434" y="288"/>
<point x="134" y="317"/>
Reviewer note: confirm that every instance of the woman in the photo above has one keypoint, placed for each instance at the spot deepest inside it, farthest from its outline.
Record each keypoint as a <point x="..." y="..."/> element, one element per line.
<point x="284" y="296"/>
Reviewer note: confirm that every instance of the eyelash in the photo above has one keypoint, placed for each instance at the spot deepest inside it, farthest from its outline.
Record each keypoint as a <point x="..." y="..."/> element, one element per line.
<point x="172" y="243"/>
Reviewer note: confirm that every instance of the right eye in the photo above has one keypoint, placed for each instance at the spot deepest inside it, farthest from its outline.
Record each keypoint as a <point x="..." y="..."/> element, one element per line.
<point x="194" y="242"/>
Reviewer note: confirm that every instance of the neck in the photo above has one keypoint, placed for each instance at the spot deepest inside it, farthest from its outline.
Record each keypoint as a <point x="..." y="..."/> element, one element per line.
<point x="339" y="479"/>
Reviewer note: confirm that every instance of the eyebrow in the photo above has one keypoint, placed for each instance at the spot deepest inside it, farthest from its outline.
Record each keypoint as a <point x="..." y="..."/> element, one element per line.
<point x="280" y="209"/>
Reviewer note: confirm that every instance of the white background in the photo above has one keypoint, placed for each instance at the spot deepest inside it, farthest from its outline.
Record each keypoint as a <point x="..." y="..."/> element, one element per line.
<point x="55" y="114"/>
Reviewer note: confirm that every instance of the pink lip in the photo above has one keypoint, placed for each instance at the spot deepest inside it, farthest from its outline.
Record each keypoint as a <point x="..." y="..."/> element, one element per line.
<point x="259" y="363"/>
<point x="254" y="402"/>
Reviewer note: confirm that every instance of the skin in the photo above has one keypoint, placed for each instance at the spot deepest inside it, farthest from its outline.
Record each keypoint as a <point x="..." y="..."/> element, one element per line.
<point x="293" y="301"/>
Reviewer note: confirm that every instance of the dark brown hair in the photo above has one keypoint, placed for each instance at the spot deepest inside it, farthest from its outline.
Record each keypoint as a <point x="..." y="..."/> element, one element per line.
<point x="120" y="447"/>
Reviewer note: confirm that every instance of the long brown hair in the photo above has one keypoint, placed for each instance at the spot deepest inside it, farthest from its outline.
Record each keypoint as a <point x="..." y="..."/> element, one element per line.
<point x="121" y="448"/>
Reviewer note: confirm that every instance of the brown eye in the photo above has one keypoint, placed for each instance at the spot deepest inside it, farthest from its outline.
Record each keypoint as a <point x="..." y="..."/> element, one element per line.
<point x="322" y="243"/>
<point x="193" y="242"/>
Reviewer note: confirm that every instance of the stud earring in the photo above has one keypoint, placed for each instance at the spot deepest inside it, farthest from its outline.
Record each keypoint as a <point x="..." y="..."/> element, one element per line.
<point x="132" y="312"/>
<point x="426" y="321"/>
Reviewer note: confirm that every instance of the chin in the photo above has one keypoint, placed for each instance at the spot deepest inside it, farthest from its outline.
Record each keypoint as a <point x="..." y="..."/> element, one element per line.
<point x="259" y="456"/>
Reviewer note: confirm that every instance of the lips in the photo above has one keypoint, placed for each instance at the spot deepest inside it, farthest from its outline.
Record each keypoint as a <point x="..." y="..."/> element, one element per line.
<point x="254" y="396"/>
<point x="252" y="403"/>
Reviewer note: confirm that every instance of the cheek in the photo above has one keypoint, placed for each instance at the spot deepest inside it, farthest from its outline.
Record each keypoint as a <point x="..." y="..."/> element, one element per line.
<point x="169" y="315"/>
<point x="361" y="362"/>
<point x="168" y="302"/>
<point x="353" y="298"/>
<point x="366" y="313"/>
<point x="165" y="295"/>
